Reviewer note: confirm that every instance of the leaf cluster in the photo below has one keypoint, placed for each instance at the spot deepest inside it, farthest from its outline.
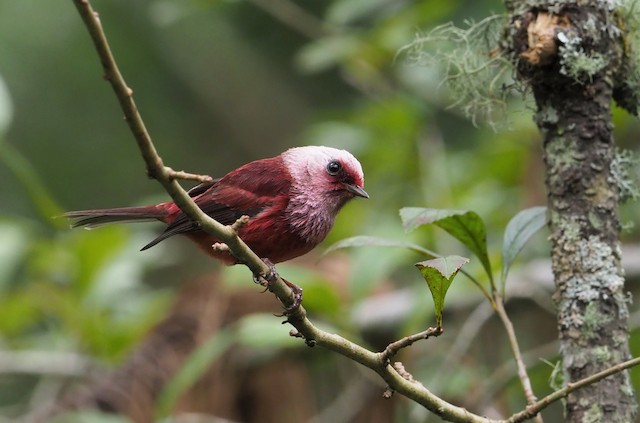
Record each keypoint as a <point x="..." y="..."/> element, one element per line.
<point x="468" y="228"/>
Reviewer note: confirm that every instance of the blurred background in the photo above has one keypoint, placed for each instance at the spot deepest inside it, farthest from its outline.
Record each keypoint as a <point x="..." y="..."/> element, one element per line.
<point x="88" y="321"/>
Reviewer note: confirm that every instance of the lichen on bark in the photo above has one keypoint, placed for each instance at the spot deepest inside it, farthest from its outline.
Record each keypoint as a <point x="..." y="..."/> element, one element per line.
<point x="573" y="93"/>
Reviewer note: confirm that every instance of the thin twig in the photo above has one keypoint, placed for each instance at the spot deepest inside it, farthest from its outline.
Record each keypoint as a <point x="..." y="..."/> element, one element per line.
<point x="240" y="222"/>
<point x="393" y="348"/>
<point x="502" y="375"/>
<point x="532" y="410"/>
<point x="515" y="349"/>
<point x="229" y="237"/>
<point x="181" y="174"/>
<point x="477" y="283"/>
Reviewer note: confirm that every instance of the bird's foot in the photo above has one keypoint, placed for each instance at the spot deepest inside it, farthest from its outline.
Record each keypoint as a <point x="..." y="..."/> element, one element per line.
<point x="297" y="300"/>
<point x="266" y="278"/>
<point x="271" y="275"/>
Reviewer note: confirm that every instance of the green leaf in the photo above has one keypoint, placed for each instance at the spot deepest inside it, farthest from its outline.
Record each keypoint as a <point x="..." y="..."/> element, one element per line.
<point x="519" y="230"/>
<point x="466" y="226"/>
<point x="439" y="274"/>
<point x="372" y="241"/>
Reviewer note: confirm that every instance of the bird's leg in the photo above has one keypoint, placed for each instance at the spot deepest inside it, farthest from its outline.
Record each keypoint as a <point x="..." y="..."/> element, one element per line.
<point x="266" y="279"/>
<point x="297" y="299"/>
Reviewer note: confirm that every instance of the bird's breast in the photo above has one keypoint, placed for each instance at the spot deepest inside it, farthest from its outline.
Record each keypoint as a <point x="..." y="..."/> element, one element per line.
<point x="311" y="222"/>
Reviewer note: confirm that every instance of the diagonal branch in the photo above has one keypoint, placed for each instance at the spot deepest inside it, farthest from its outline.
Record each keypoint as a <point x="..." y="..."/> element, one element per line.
<point x="227" y="234"/>
<point x="534" y="409"/>
<point x="154" y="164"/>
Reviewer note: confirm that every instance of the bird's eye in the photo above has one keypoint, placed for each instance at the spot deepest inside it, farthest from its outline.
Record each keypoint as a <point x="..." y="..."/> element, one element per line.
<point x="334" y="167"/>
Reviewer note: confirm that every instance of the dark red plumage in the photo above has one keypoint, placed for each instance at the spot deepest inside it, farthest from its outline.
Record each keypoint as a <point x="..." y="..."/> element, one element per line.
<point x="291" y="201"/>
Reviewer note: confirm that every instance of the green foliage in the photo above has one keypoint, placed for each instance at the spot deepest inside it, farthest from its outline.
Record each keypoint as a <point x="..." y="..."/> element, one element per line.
<point x="80" y="286"/>
<point x="371" y="241"/>
<point x="519" y="230"/>
<point x="256" y="89"/>
<point x="439" y="273"/>
<point x="466" y="226"/>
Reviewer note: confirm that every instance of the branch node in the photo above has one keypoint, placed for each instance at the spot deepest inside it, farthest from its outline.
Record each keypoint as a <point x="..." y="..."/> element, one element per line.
<point x="181" y="174"/>
<point x="156" y="171"/>
<point x="294" y="332"/>
<point x="399" y="367"/>
<point x="239" y="223"/>
<point x="220" y="247"/>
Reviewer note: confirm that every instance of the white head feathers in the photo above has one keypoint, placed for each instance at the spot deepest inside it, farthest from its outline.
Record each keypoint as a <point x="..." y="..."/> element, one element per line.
<point x="323" y="180"/>
<point x="303" y="162"/>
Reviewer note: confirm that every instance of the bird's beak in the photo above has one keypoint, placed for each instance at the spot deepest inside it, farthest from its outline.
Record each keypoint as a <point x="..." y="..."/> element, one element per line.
<point x="356" y="190"/>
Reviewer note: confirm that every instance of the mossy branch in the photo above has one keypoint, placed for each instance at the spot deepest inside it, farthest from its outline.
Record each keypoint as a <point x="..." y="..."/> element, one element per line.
<point x="397" y="381"/>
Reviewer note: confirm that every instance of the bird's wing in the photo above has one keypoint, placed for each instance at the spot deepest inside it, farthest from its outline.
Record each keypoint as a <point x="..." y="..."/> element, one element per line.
<point x="247" y="190"/>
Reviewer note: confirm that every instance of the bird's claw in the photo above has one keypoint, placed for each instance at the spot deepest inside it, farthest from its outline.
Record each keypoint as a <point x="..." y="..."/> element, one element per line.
<point x="270" y="276"/>
<point x="265" y="279"/>
<point x="297" y="301"/>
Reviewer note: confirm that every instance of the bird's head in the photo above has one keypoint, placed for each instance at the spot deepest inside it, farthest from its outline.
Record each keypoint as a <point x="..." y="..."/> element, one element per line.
<point x="325" y="174"/>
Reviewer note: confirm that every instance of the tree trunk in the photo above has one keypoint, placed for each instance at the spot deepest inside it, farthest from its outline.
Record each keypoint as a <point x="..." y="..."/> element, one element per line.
<point x="569" y="57"/>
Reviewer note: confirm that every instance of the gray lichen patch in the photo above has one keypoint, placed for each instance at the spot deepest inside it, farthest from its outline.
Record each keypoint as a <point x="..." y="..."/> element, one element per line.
<point x="588" y="274"/>
<point x="578" y="64"/>
<point x="623" y="173"/>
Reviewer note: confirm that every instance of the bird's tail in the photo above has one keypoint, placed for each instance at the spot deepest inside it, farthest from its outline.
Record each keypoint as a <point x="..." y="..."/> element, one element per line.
<point x="93" y="218"/>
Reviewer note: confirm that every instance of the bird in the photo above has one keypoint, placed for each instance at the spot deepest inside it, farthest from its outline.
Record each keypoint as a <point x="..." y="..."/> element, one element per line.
<point x="291" y="201"/>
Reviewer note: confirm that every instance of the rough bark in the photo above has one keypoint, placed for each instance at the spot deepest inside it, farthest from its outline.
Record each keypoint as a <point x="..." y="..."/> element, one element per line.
<point x="574" y="117"/>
